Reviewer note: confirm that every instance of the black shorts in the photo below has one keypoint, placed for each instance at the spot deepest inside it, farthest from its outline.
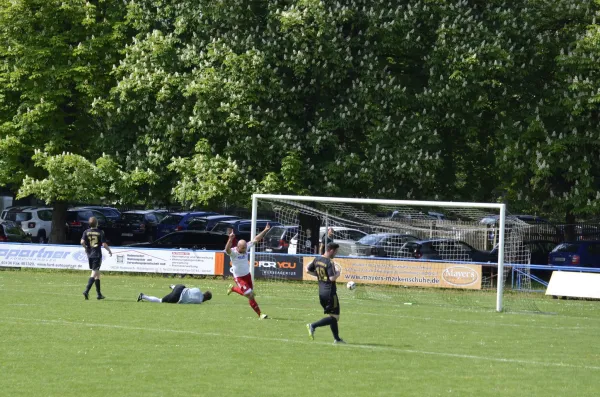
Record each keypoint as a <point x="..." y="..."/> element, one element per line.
<point x="175" y="295"/>
<point x="331" y="305"/>
<point x="95" y="263"/>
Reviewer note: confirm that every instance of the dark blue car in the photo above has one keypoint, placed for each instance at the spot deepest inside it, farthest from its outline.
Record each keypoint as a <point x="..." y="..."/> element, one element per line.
<point x="242" y="227"/>
<point x="207" y="223"/>
<point x="577" y="253"/>
<point x="178" y="221"/>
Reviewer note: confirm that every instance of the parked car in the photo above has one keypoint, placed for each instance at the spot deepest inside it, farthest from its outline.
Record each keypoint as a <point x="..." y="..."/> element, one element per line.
<point x="178" y="221"/>
<point x="242" y="227"/>
<point x="277" y="239"/>
<point x="109" y="213"/>
<point x="346" y="237"/>
<point x="110" y="225"/>
<point x="538" y="252"/>
<point x="385" y="245"/>
<point x="139" y="225"/>
<point x="11" y="232"/>
<point x="16" y="208"/>
<point x="37" y="222"/>
<point x="188" y="239"/>
<point x="445" y="249"/>
<point x="539" y="228"/>
<point x="208" y="222"/>
<point x="78" y="222"/>
<point x="430" y="215"/>
<point x="577" y="253"/>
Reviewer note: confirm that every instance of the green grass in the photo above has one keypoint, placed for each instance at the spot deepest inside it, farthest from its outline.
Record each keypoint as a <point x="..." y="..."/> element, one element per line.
<point x="53" y="343"/>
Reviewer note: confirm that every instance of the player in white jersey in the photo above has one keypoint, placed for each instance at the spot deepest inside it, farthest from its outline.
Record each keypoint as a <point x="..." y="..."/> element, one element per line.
<point x="240" y="267"/>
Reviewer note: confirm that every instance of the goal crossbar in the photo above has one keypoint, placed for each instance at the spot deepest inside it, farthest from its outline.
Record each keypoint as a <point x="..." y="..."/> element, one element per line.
<point x="440" y="204"/>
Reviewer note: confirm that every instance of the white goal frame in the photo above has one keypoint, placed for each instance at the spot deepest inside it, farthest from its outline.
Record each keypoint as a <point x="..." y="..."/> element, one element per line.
<point x="500" y="207"/>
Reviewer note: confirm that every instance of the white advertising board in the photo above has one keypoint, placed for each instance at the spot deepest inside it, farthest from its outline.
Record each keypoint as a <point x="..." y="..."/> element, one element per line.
<point x="574" y="284"/>
<point x="126" y="259"/>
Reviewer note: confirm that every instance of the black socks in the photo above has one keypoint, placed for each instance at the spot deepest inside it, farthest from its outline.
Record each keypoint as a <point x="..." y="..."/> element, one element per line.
<point x="89" y="284"/>
<point x="333" y="324"/>
<point x="334" y="329"/>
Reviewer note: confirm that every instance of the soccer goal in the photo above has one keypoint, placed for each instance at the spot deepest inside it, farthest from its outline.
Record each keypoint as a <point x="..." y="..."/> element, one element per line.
<point x="402" y="251"/>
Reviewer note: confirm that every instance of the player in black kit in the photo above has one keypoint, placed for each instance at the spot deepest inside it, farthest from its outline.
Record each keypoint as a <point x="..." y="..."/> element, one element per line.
<point x="93" y="241"/>
<point x="326" y="272"/>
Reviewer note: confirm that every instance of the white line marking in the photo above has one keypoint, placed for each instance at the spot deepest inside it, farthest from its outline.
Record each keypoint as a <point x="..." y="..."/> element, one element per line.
<point x="17" y="320"/>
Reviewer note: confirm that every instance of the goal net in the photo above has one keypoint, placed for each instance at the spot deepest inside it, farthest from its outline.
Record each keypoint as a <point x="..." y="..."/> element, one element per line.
<point x="404" y="252"/>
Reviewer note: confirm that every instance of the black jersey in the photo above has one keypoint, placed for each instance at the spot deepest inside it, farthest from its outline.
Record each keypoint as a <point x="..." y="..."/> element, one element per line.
<point x="324" y="269"/>
<point x="93" y="238"/>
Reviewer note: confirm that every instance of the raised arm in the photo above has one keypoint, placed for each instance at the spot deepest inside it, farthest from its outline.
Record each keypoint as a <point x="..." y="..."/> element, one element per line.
<point x="229" y="243"/>
<point x="262" y="234"/>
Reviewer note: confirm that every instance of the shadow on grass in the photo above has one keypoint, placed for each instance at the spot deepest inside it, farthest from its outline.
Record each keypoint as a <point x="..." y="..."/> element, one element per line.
<point x="376" y="345"/>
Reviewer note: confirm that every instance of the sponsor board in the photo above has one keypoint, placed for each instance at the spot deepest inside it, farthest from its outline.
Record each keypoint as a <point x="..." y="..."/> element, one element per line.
<point x="272" y="266"/>
<point x="123" y="259"/>
<point x="409" y="273"/>
<point x="574" y="284"/>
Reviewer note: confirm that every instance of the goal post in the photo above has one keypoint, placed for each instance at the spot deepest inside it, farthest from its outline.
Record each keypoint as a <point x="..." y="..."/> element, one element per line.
<point x="349" y="212"/>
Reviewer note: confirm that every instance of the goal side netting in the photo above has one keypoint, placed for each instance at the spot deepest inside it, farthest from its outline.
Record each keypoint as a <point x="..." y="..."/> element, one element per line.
<point x="469" y="255"/>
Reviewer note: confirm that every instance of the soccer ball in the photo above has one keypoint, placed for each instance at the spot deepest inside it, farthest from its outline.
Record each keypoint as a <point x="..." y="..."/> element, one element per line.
<point x="351" y="285"/>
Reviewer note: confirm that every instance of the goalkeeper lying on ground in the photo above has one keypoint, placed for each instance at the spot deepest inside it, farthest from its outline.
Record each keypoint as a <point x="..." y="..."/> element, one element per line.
<point x="180" y="294"/>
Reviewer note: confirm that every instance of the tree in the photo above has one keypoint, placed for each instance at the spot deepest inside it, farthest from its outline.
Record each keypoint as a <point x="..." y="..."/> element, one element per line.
<point x="72" y="178"/>
<point x="549" y="134"/>
<point x="267" y="83"/>
<point x="56" y="57"/>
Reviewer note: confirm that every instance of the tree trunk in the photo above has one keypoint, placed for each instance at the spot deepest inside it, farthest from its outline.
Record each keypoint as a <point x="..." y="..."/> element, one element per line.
<point x="59" y="223"/>
<point x="570" y="226"/>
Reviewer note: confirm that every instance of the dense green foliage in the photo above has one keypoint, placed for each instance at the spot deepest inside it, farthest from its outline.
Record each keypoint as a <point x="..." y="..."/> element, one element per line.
<point x="201" y="102"/>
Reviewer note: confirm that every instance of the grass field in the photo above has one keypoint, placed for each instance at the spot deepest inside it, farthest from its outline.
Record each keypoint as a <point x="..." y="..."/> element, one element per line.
<point x="53" y="343"/>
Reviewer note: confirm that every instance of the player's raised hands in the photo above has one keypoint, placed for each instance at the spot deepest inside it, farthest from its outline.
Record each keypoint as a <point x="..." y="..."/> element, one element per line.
<point x="267" y="227"/>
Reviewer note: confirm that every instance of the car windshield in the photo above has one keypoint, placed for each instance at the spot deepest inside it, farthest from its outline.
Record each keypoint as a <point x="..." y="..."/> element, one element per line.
<point x="133" y="217"/>
<point x="567" y="247"/>
<point x="410" y="246"/>
<point x="197" y="224"/>
<point x="221" y="227"/>
<point x="84" y="215"/>
<point x="275" y="233"/>
<point x="171" y="219"/>
<point x="348" y="235"/>
<point x="18" y="216"/>
<point x="107" y="212"/>
<point x="371" y="239"/>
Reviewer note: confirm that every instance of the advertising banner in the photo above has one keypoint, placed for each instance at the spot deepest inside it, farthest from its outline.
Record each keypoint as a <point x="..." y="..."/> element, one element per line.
<point x="273" y="266"/>
<point x="123" y="260"/>
<point x="409" y="273"/>
<point x="574" y="284"/>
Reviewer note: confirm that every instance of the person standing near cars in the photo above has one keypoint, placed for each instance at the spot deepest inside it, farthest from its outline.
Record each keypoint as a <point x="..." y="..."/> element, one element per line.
<point x="326" y="240"/>
<point x="310" y="244"/>
<point x="92" y="241"/>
